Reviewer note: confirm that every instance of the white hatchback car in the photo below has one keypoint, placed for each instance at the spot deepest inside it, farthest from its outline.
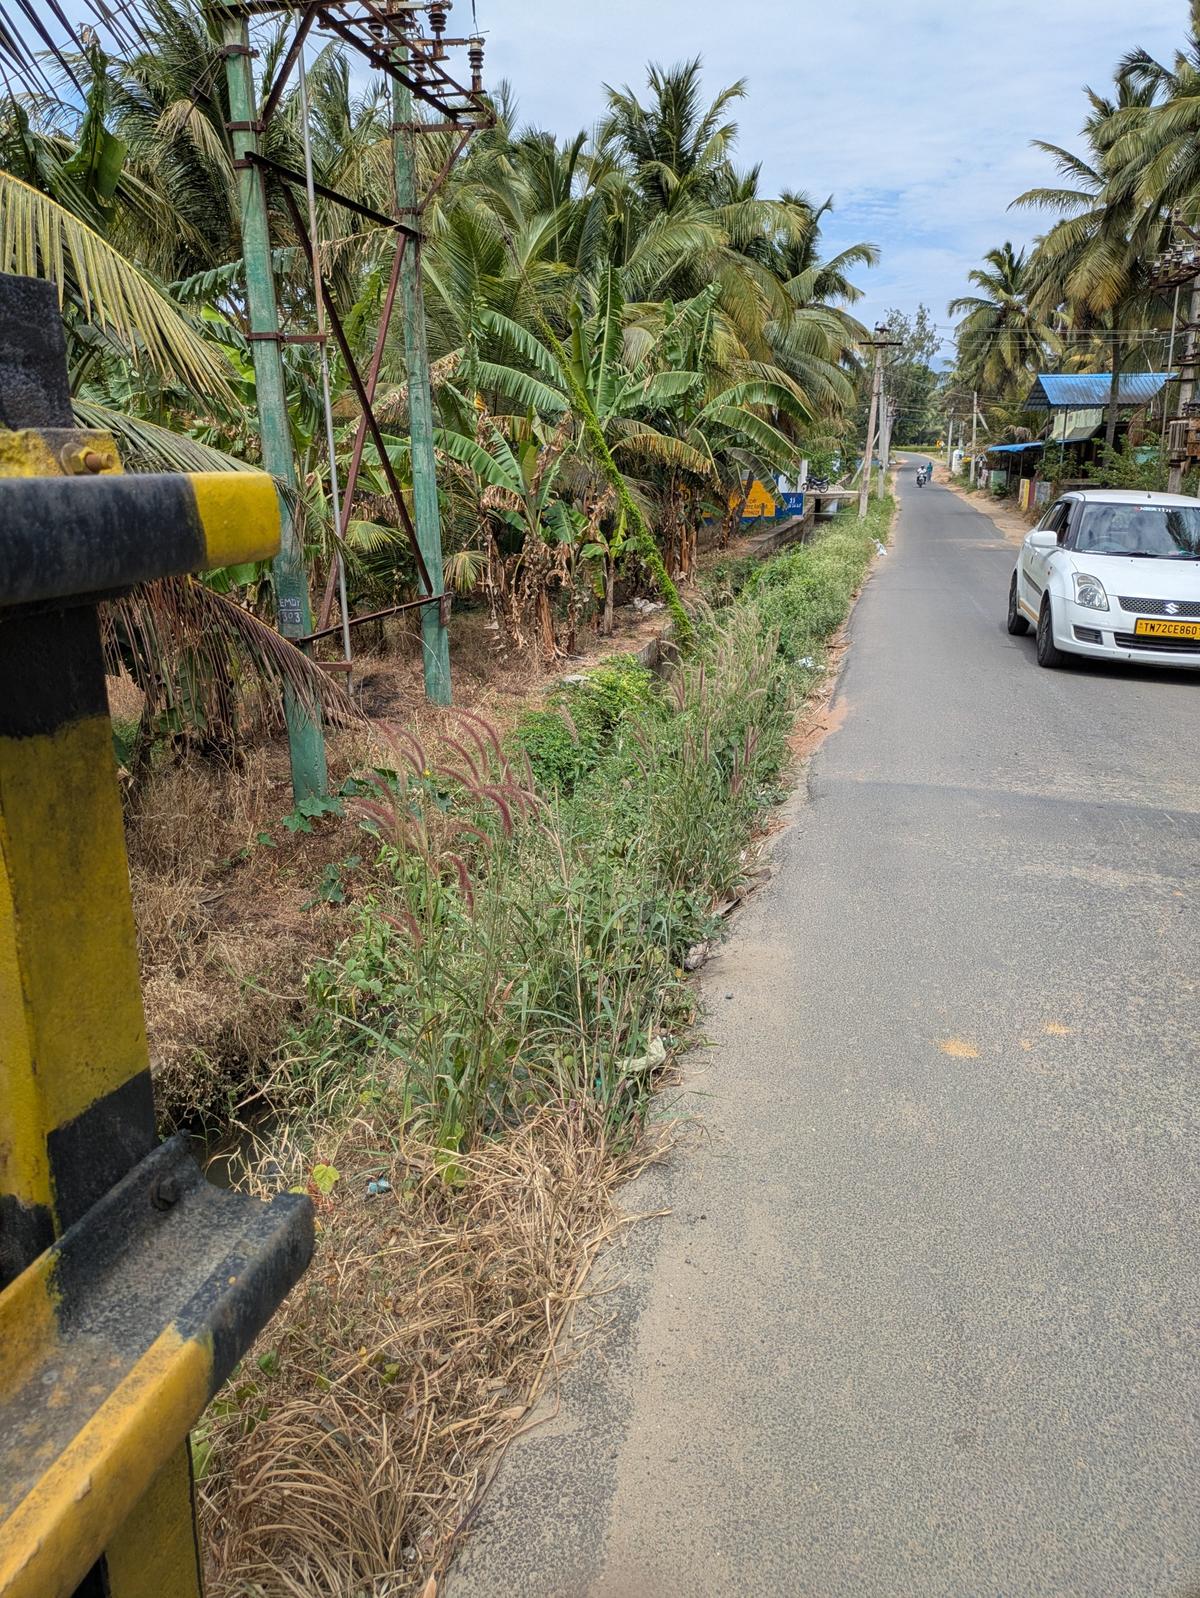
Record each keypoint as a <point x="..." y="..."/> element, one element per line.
<point x="1113" y="573"/>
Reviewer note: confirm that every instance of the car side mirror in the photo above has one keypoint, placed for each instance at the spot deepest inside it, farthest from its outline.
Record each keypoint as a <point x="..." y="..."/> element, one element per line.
<point x="1043" y="538"/>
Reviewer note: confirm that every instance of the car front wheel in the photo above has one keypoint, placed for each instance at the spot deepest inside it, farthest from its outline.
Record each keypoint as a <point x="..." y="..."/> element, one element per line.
<point x="1048" y="652"/>
<point x="1017" y="625"/>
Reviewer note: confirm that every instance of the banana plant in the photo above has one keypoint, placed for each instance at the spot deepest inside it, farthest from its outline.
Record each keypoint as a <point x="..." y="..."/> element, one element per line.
<point x="532" y="536"/>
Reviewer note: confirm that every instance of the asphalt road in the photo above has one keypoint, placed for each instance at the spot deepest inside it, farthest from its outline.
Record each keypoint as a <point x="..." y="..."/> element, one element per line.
<point x="923" y="1319"/>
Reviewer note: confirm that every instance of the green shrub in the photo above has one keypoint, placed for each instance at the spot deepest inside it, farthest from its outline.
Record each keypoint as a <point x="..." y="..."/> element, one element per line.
<point x="1128" y="466"/>
<point x="726" y="577"/>
<point x="564" y="741"/>
<point x="804" y="594"/>
<point x="529" y="947"/>
<point x="557" y="755"/>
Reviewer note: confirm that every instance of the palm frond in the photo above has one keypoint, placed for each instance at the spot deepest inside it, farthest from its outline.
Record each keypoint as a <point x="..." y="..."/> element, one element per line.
<point x="471" y="454"/>
<point x="768" y="441"/>
<point x="527" y="391"/>
<point x="147" y="447"/>
<point x="40" y="238"/>
<point x="637" y="439"/>
<point x="525" y="343"/>
<point x="211" y="671"/>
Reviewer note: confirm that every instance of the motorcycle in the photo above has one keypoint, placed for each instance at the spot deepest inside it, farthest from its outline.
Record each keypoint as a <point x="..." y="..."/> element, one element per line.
<point x="922" y="477"/>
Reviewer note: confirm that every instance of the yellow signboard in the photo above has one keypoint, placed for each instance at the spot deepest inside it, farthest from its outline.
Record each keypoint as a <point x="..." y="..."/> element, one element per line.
<point x="759" y="501"/>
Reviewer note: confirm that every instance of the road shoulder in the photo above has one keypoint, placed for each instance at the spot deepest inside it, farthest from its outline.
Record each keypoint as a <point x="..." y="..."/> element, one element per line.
<point x="1011" y="523"/>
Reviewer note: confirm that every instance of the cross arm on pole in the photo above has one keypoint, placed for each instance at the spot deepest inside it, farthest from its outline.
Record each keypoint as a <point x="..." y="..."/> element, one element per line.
<point x="289" y="175"/>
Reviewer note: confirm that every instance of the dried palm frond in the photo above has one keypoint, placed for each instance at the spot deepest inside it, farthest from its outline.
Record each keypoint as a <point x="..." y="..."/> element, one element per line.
<point x="498" y="497"/>
<point x="209" y="669"/>
<point x="392" y="407"/>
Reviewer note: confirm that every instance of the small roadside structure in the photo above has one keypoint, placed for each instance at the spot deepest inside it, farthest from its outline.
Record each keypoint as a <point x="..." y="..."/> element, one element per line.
<point x="1078" y="402"/>
<point x="1009" y="464"/>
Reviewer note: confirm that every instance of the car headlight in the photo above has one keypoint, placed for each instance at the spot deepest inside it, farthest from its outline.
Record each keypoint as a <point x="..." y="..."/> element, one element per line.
<point x="1089" y="591"/>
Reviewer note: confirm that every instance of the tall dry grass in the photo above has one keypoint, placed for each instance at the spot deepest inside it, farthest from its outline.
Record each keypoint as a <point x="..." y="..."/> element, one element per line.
<point x="344" y="1459"/>
<point x="224" y="940"/>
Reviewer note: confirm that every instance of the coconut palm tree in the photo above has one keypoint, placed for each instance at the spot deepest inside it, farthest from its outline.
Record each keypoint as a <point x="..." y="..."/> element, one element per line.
<point x="1002" y="339"/>
<point x="1155" y="144"/>
<point x="636" y="297"/>
<point x="56" y="214"/>
<point x="675" y="147"/>
<point x="1096" y="262"/>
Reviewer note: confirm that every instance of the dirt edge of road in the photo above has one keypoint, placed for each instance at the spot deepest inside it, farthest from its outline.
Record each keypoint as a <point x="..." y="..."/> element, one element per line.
<point x="820" y="716"/>
<point x="624" y="1278"/>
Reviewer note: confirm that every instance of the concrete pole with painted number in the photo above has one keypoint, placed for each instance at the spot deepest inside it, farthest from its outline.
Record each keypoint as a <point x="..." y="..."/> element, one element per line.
<point x="885" y="448"/>
<point x="1187" y="385"/>
<point x="974" y="429"/>
<point x="435" y="637"/>
<point x="864" y="487"/>
<point x="289" y="577"/>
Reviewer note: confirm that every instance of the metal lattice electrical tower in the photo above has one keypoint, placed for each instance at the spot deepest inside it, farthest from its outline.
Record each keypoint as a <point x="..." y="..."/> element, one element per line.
<point x="406" y="40"/>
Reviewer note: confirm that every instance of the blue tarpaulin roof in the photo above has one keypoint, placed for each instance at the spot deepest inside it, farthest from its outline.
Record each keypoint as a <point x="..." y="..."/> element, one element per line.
<point x="1011" y="449"/>
<point x="1076" y="391"/>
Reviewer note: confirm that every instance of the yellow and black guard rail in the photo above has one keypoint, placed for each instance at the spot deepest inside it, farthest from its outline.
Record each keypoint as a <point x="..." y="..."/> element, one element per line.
<point x="129" y="1287"/>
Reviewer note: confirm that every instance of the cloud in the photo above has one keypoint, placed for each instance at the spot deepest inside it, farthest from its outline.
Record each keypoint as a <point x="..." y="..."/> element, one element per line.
<point x="917" y="118"/>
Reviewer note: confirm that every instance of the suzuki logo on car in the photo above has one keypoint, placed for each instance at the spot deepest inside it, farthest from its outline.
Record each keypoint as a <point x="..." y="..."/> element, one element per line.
<point x="1171" y="608"/>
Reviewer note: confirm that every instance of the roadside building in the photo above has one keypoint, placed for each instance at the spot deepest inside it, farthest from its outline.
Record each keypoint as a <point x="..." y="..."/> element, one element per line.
<point x="1076" y="406"/>
<point x="1077" y="403"/>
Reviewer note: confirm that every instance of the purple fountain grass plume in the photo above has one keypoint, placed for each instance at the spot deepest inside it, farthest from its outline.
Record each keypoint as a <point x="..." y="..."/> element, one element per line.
<point x="410" y="748"/>
<point x="459" y="825"/>
<point x="501" y="802"/>
<point x="464" y="879"/>
<point x="488" y="730"/>
<point x="388" y="817"/>
<point x="466" y="755"/>
<point x="405" y="921"/>
<point x="453" y="774"/>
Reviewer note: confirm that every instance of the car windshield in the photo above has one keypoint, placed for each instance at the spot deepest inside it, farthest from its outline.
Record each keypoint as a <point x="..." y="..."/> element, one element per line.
<point x="1160" y="532"/>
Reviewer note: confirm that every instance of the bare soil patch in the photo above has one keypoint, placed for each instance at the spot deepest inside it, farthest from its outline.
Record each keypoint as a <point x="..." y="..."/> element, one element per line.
<point x="1013" y="523"/>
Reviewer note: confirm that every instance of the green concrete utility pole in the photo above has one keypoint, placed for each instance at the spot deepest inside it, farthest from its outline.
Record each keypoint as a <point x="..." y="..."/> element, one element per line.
<point x="289" y="579"/>
<point x="435" y="638"/>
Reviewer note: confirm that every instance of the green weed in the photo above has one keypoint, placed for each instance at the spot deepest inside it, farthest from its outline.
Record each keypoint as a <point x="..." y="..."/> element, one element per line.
<point x="565" y="741"/>
<point x="528" y="943"/>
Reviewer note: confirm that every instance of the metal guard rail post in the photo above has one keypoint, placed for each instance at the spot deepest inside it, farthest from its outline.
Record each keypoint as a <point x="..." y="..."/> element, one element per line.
<point x="130" y="1286"/>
